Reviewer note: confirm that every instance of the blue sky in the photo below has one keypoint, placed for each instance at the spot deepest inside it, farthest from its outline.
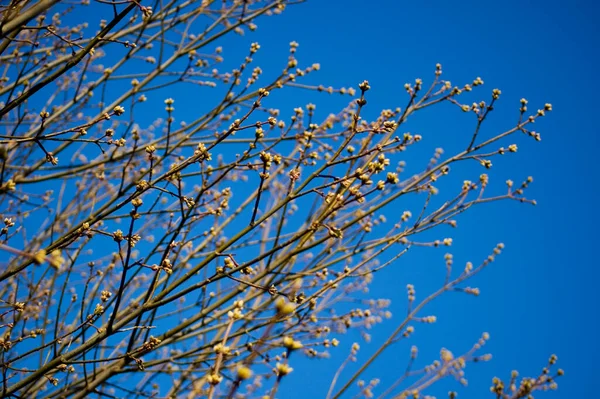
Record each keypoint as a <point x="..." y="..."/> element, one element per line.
<point x="540" y="297"/>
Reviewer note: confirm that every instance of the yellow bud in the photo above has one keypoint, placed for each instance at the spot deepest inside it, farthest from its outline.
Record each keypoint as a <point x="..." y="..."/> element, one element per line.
<point x="39" y="257"/>
<point x="283" y="307"/>
<point x="243" y="373"/>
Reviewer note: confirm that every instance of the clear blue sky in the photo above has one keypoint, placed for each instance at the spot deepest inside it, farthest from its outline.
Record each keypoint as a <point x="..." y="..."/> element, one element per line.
<point x="541" y="296"/>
